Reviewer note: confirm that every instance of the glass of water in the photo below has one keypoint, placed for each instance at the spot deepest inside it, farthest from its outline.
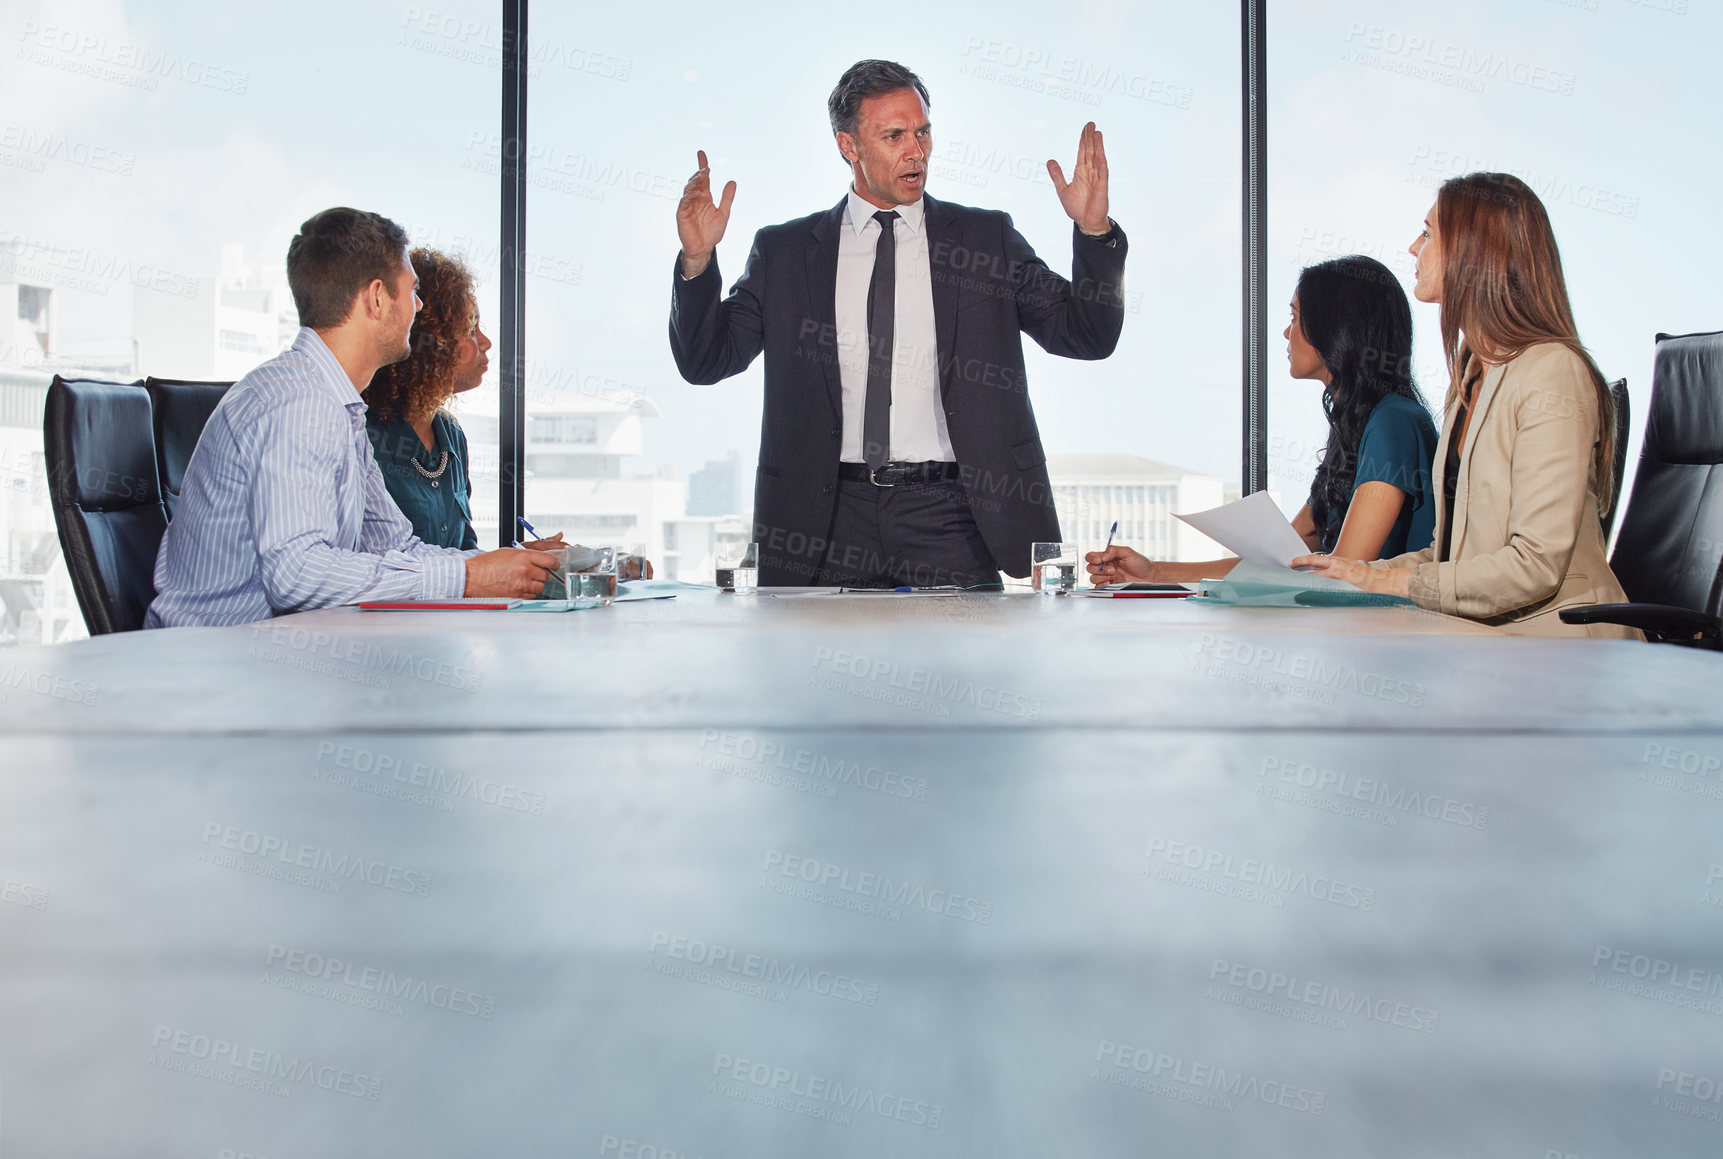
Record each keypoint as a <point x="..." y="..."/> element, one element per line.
<point x="596" y="580"/>
<point x="1053" y="568"/>
<point x="738" y="567"/>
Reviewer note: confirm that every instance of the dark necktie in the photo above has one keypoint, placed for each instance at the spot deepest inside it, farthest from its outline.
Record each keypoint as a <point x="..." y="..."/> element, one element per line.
<point x="881" y="321"/>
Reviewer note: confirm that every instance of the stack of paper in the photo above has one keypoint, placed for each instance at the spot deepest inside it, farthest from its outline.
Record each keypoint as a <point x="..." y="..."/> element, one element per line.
<point x="1258" y="585"/>
<point x="1252" y="529"/>
<point x="1255" y="530"/>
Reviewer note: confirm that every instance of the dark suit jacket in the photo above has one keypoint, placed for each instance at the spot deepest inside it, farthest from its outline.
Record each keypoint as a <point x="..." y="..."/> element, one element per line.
<point x="988" y="288"/>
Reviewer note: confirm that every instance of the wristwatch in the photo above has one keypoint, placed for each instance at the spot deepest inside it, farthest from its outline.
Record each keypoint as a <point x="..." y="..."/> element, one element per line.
<point x="1111" y="237"/>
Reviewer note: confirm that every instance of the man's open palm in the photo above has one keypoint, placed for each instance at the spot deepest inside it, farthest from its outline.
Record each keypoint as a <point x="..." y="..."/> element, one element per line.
<point x="1085" y="195"/>
<point x="700" y="222"/>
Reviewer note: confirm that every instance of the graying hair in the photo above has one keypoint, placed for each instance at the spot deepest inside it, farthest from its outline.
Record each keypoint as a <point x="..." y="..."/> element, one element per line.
<point x="868" y="78"/>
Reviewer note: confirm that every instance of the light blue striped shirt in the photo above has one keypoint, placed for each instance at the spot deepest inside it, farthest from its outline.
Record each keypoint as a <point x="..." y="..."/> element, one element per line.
<point x="283" y="507"/>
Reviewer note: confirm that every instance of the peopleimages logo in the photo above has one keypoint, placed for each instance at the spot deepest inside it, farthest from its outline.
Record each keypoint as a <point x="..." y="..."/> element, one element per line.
<point x="1684" y="1093"/>
<point x="1659" y="971"/>
<point x="719" y="961"/>
<point x="775" y="756"/>
<point x="18" y="678"/>
<point x="1372" y="791"/>
<point x="1314" y="673"/>
<point x="268" y="848"/>
<point x="1262" y="874"/>
<point x="433" y="778"/>
<point x="875" y="887"/>
<point x="372" y="981"/>
<point x="927" y="681"/>
<point x="324" y="649"/>
<point x="777" y="1085"/>
<point x="1307" y="992"/>
<point x="240" y="1065"/>
<point x="1200" y="1076"/>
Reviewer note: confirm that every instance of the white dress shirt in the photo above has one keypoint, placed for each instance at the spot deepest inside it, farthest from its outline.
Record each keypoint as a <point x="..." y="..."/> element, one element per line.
<point x="918" y="431"/>
<point x="284" y="509"/>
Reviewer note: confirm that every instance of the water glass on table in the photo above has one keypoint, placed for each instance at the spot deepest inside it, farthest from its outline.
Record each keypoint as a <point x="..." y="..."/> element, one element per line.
<point x="738" y="567"/>
<point x="1053" y="568"/>
<point x="596" y="579"/>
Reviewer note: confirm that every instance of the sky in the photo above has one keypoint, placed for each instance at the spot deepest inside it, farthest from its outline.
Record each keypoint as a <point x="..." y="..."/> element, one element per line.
<point x="137" y="139"/>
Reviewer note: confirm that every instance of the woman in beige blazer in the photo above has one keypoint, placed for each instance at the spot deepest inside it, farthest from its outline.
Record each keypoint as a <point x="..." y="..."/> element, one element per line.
<point x="1528" y="428"/>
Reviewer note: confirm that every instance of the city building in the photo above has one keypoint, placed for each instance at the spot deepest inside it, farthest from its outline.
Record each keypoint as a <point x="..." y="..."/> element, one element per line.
<point x="580" y="482"/>
<point x="713" y="489"/>
<point x="1091" y="491"/>
<point x="37" y="605"/>
<point x="223" y="329"/>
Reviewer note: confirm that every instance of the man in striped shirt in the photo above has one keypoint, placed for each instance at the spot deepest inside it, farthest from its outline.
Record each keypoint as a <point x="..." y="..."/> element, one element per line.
<point x="283" y="508"/>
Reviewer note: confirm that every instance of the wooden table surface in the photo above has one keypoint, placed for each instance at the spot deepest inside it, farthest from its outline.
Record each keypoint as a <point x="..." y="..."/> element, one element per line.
<point x="754" y="876"/>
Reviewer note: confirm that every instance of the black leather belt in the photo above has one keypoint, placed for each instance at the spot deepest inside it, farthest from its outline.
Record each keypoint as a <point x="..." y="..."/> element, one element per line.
<point x="898" y="474"/>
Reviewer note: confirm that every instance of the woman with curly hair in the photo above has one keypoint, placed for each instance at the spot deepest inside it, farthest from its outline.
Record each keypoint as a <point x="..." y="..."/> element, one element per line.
<point x="420" y="448"/>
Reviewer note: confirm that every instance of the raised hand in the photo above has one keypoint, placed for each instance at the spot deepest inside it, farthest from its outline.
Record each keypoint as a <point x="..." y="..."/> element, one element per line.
<point x="1085" y="195"/>
<point x="699" y="222"/>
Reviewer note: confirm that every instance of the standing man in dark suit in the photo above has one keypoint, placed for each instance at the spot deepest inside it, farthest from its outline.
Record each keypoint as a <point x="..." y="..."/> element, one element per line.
<point x="898" y="445"/>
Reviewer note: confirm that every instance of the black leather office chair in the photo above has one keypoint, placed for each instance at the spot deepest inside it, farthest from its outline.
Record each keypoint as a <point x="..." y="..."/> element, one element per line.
<point x="181" y="408"/>
<point x="1669" y="556"/>
<point x="105" y="490"/>
<point x="1623" y="427"/>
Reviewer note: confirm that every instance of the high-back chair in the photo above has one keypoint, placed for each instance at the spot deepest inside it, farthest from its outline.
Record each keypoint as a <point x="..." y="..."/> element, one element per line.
<point x="1669" y="555"/>
<point x="181" y="408"/>
<point x="105" y="489"/>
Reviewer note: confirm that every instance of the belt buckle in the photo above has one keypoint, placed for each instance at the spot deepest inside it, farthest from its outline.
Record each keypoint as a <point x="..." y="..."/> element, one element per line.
<point x="872" y="479"/>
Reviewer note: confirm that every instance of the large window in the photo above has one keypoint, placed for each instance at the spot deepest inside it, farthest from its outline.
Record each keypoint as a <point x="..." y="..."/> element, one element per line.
<point x="622" y="96"/>
<point x="155" y="159"/>
<point x="1606" y="108"/>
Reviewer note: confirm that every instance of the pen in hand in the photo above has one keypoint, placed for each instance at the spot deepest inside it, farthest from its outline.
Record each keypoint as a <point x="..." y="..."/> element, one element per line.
<point x="533" y="531"/>
<point x="1111" y="531"/>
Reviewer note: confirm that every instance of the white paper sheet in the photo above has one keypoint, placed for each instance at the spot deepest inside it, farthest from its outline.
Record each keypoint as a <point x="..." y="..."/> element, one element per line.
<point x="1251" y="528"/>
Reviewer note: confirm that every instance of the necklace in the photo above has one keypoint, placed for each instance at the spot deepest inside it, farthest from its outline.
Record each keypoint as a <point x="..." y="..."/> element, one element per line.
<point x="442" y="465"/>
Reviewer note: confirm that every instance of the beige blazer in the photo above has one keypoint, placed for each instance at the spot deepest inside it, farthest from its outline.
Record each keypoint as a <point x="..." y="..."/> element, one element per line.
<point x="1526" y="541"/>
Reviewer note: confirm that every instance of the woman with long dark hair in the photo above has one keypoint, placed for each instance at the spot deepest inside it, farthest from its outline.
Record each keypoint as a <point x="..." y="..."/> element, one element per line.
<point x="1351" y="330"/>
<point x="1528" y="433"/>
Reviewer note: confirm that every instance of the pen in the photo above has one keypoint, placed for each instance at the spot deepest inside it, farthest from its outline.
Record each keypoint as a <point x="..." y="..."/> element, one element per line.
<point x="1111" y="531"/>
<point x="533" y="531"/>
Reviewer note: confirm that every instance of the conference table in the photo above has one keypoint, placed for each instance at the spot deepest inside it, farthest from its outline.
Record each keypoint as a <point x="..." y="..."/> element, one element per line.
<point x="790" y="874"/>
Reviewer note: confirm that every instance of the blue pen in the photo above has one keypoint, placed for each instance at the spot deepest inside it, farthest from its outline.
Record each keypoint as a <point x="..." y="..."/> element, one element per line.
<point x="533" y="531"/>
<point x="1111" y="531"/>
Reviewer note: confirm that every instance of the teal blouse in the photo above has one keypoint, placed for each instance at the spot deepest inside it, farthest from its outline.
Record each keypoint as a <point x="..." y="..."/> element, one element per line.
<point x="439" y="508"/>
<point x="1398" y="448"/>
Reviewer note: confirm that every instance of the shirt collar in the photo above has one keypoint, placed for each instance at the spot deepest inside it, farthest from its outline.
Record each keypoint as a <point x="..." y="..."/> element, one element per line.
<point x="333" y="380"/>
<point x="859" y="213"/>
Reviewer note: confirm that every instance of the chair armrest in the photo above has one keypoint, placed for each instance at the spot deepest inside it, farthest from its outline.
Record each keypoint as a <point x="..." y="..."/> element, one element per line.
<point x="1659" y="622"/>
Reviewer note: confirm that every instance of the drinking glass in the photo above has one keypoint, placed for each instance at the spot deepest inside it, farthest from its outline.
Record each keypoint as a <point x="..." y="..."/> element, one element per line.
<point x="1053" y="568"/>
<point x="597" y="580"/>
<point x="738" y="567"/>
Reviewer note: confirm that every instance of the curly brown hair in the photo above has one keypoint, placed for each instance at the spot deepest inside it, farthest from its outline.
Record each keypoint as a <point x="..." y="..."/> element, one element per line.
<point x="420" y="384"/>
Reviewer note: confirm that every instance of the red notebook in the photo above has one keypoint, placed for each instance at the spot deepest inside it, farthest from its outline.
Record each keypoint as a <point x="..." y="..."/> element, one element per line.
<point x="453" y="604"/>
